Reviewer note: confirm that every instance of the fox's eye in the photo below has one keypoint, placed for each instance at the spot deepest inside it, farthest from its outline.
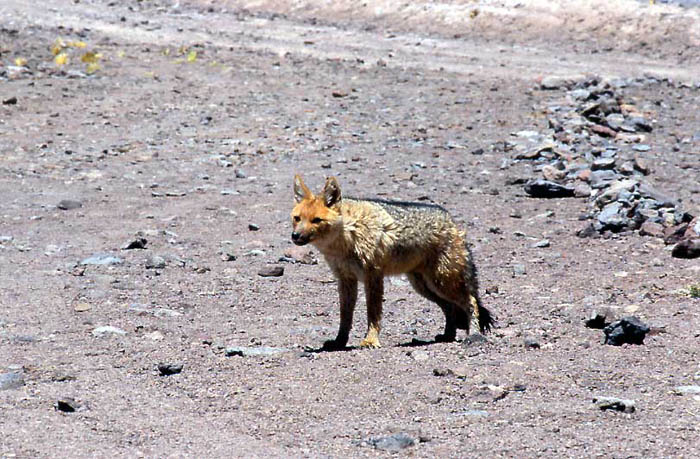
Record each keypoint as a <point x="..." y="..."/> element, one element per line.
<point x="316" y="220"/>
<point x="297" y="218"/>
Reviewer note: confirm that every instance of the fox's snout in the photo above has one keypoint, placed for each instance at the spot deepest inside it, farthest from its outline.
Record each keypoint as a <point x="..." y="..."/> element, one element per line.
<point x="299" y="239"/>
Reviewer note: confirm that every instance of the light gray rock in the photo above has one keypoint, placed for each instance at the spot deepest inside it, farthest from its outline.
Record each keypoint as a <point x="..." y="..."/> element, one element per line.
<point x="107" y="330"/>
<point x="102" y="259"/>
<point x="687" y="390"/>
<point x="244" y="351"/>
<point x="11" y="380"/>
<point x="155" y="262"/>
<point x="395" y="442"/>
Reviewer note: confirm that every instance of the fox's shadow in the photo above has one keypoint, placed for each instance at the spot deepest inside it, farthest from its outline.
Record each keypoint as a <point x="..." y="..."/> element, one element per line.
<point x="415" y="342"/>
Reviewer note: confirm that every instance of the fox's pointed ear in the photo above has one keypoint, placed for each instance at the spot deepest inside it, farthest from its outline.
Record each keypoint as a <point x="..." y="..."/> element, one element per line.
<point x="301" y="191"/>
<point x="331" y="192"/>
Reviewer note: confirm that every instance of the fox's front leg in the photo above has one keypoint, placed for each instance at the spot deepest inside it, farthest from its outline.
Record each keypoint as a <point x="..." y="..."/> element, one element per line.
<point x="347" y="290"/>
<point x="374" y="291"/>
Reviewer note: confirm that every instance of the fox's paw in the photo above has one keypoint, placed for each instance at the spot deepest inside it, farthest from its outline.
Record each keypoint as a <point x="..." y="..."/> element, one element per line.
<point x="333" y="345"/>
<point x="444" y="338"/>
<point x="370" y="343"/>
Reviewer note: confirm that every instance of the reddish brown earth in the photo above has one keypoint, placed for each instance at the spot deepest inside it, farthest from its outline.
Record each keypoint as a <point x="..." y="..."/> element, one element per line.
<point x="191" y="129"/>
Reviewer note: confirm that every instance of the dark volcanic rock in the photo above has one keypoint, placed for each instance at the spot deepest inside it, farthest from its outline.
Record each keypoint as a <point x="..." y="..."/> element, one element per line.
<point x="628" y="330"/>
<point x="69" y="204"/>
<point x="167" y="369"/>
<point x="271" y="271"/>
<point x="138" y="243"/>
<point x="599" y="319"/>
<point x="687" y="248"/>
<point x="67" y="405"/>
<point x="545" y="189"/>
<point x="615" y="404"/>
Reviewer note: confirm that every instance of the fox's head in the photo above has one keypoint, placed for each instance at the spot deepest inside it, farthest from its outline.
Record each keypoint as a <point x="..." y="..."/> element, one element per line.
<point x="314" y="217"/>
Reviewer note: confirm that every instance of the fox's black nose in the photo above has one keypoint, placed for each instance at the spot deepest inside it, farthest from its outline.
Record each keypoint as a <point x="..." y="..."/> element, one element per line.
<point x="295" y="236"/>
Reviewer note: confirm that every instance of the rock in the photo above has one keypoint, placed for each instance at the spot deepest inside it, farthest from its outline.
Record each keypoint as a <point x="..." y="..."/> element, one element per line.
<point x="303" y="255"/>
<point x="553" y="174"/>
<point x="395" y="442"/>
<point x="243" y="351"/>
<point x="616" y="404"/>
<point x="674" y="234"/>
<point x="640" y="124"/>
<point x="614" y="191"/>
<point x="155" y="262"/>
<point x="519" y="270"/>
<point x="681" y="390"/>
<point x="67" y="405"/>
<point x="531" y="343"/>
<point x="82" y="307"/>
<point x="138" y="243"/>
<point x="474" y="340"/>
<point x="545" y="189"/>
<point x="541" y="244"/>
<point x="420" y="356"/>
<point x="107" y="330"/>
<point x="584" y="175"/>
<point x="615" y="121"/>
<point x="628" y="330"/>
<point x="627" y="168"/>
<point x="11" y="380"/>
<point x="271" y="271"/>
<point x="664" y="200"/>
<point x="602" y="178"/>
<point x="653" y="229"/>
<point x="155" y="336"/>
<point x="603" y="163"/>
<point x="687" y="248"/>
<point x="253" y="227"/>
<point x="582" y="190"/>
<point x="599" y="319"/>
<point x="228" y="256"/>
<point x="613" y="218"/>
<point x="641" y="165"/>
<point x="10" y="101"/>
<point x="602" y="131"/>
<point x="102" y="259"/>
<point x="473" y="413"/>
<point x="167" y="369"/>
<point x="553" y="82"/>
<point x="69" y="204"/>
<point x="693" y="228"/>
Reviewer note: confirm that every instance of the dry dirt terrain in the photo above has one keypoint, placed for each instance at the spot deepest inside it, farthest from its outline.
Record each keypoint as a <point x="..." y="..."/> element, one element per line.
<point x="153" y="305"/>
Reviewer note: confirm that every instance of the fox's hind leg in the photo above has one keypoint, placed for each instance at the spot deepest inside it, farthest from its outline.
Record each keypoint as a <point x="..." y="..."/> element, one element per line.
<point x="454" y="316"/>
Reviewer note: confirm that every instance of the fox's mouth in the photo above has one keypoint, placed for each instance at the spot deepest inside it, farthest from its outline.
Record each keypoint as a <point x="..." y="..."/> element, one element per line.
<point x="299" y="239"/>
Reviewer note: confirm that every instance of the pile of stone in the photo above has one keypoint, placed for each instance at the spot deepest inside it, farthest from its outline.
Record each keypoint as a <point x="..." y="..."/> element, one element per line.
<point x="594" y="149"/>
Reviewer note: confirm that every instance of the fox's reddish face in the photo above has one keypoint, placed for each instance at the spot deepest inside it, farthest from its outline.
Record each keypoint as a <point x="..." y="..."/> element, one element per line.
<point x="313" y="218"/>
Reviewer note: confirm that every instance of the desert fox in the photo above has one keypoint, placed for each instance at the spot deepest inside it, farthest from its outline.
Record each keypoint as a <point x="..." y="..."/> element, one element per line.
<point x="367" y="239"/>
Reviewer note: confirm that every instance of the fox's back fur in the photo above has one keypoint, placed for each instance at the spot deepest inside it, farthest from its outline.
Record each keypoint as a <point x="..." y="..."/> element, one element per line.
<point x="365" y="239"/>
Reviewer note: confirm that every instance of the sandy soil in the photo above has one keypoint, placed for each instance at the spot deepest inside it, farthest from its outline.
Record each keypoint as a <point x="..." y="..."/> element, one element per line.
<point x="184" y="123"/>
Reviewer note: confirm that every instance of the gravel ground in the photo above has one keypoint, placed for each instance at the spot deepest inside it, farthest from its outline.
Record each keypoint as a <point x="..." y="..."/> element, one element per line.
<point x="147" y="150"/>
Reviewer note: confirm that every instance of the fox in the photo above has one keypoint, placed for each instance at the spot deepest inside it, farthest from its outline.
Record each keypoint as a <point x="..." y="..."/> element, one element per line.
<point x="365" y="240"/>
